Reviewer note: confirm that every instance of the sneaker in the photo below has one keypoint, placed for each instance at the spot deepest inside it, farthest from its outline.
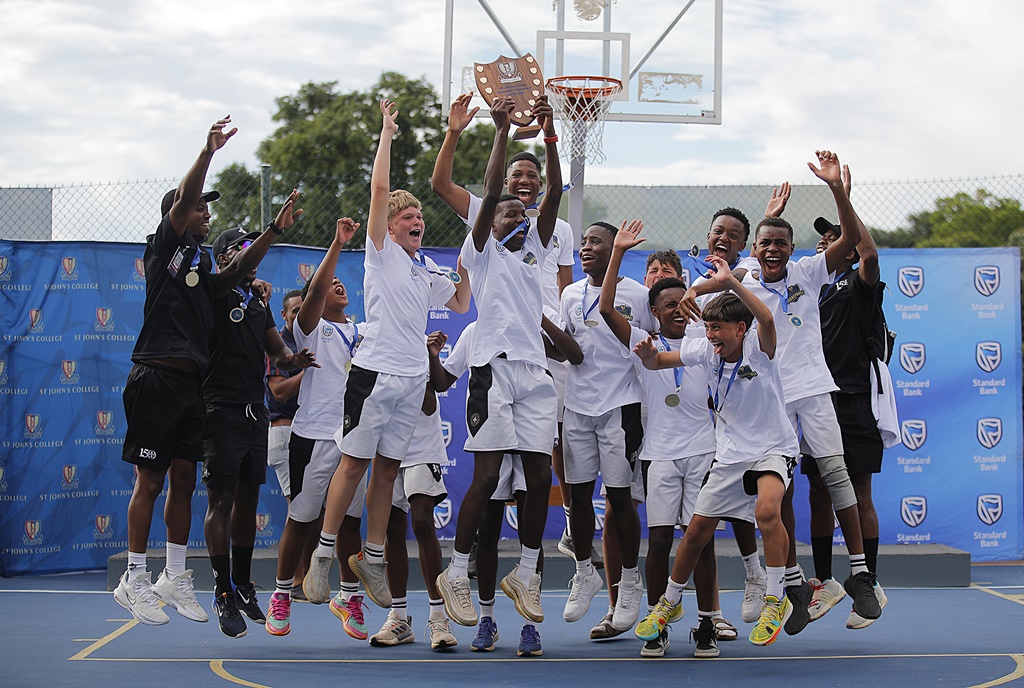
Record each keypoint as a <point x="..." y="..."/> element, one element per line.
<point x="799" y="597"/>
<point x="231" y="622"/>
<point x="583" y="590"/>
<point x="861" y="588"/>
<point x="138" y="598"/>
<point x="316" y="585"/>
<point x="297" y="594"/>
<point x="458" y="599"/>
<point x="565" y="545"/>
<point x="178" y="592"/>
<point x="856" y="621"/>
<point x="351" y="615"/>
<point x="627" y="604"/>
<point x="662" y="615"/>
<point x="529" y="642"/>
<point x="656" y="647"/>
<point x="245" y="600"/>
<point x="826" y="595"/>
<point x="724" y="630"/>
<point x="526" y="597"/>
<point x="603" y="630"/>
<point x="279" y="614"/>
<point x="440" y="633"/>
<point x="374" y="578"/>
<point x="773" y="617"/>
<point x="486" y="635"/>
<point x="395" y="631"/>
<point x="704" y="637"/>
<point x="753" y="597"/>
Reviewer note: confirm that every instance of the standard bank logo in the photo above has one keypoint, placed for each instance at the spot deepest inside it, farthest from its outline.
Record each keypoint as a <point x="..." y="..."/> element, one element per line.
<point x="446" y="433"/>
<point x="986" y="279"/>
<point x="990" y="508"/>
<point x="913" y="510"/>
<point x="911" y="280"/>
<point x="598" y="514"/>
<point x="988" y="355"/>
<point x="990" y="431"/>
<point x="512" y="516"/>
<point x="442" y="514"/>
<point x="913" y="433"/>
<point x="912" y="356"/>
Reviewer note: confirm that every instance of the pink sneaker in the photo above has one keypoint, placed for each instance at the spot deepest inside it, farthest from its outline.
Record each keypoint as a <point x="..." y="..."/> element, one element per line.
<point x="279" y="614"/>
<point x="351" y="615"/>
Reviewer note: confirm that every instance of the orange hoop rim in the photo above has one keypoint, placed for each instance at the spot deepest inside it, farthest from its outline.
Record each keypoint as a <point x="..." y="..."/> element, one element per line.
<point x="561" y="86"/>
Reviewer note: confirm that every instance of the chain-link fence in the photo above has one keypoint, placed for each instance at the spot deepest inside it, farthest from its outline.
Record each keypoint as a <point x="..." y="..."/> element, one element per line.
<point x="961" y="212"/>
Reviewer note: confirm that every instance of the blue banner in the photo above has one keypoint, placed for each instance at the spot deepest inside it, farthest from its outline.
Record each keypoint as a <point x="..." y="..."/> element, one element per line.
<point x="71" y="313"/>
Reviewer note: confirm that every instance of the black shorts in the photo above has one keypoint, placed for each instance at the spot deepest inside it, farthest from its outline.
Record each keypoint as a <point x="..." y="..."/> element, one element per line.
<point x="862" y="443"/>
<point x="235" y="445"/>
<point x="165" y="412"/>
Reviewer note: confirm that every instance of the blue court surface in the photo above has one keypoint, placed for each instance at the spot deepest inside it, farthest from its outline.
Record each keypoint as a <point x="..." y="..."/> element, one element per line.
<point x="68" y="631"/>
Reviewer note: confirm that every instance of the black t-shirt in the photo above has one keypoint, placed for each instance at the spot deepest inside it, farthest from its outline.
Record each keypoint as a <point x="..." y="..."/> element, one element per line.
<point x="849" y="307"/>
<point x="177" y="319"/>
<point x="290" y="407"/>
<point x="238" y="351"/>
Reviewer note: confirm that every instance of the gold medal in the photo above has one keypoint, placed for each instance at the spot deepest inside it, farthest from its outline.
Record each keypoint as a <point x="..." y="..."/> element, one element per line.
<point x="192" y="278"/>
<point x="672" y="400"/>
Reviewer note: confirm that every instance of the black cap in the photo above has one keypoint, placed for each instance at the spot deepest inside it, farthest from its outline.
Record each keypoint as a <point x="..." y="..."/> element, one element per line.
<point x="165" y="205"/>
<point x="230" y="237"/>
<point x="821" y="225"/>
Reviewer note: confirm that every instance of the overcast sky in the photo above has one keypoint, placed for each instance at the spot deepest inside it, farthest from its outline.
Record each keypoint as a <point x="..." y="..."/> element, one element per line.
<point x="98" y="91"/>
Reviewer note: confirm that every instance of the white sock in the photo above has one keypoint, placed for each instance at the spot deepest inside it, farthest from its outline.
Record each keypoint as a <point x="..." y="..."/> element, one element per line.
<point x="325" y="548"/>
<point x="752" y="563"/>
<point x="527" y="564"/>
<point x="436" y="607"/>
<point x="858" y="564"/>
<point x="585" y="567"/>
<point x="630" y="575"/>
<point x="459" y="567"/>
<point x="284" y="587"/>
<point x="487" y="608"/>
<point x="776" y="574"/>
<point x="674" y="592"/>
<point x="176" y="558"/>
<point x="136" y="565"/>
<point x="399" y="605"/>
<point x="373" y="553"/>
<point x="348" y="590"/>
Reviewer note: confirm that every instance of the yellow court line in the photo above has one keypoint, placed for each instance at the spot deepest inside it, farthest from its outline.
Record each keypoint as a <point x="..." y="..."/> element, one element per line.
<point x="1018" y="673"/>
<point x="218" y="668"/>
<point x="85" y="652"/>
<point x="1019" y="599"/>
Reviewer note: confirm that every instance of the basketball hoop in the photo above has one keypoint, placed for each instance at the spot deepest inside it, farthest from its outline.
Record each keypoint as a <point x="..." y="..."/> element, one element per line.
<point x="582" y="103"/>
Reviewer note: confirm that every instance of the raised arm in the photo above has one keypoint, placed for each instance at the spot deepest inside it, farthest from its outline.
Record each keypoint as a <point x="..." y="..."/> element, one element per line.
<point x="312" y="308"/>
<point x="777" y="203"/>
<point x="766" y="337"/>
<point x="459" y="302"/>
<point x="552" y="170"/>
<point x="626" y="238"/>
<point x="867" y="249"/>
<point x="440" y="378"/>
<point x="454" y="196"/>
<point x="654" y="359"/>
<point x="501" y="111"/>
<point x="282" y="357"/>
<point x="380" y="179"/>
<point x="562" y="341"/>
<point x="191" y="187"/>
<point x="830" y="172"/>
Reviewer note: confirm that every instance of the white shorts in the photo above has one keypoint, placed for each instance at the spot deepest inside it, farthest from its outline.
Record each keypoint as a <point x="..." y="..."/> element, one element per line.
<point x="609" y="444"/>
<point x="730" y="490"/>
<point x="381" y="412"/>
<point x="511" y="478"/>
<point x="421" y="479"/>
<point x="277" y="455"/>
<point x="672" y="488"/>
<point x="510" y="406"/>
<point x="637" y="488"/>
<point x="312" y="464"/>
<point x="814" y="419"/>
<point x="559" y="371"/>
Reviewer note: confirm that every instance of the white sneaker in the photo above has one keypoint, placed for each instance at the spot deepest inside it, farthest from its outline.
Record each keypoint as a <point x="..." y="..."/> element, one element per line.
<point x="754" y="590"/>
<point x="826" y="595"/>
<point x="856" y="621"/>
<point x="584" y="588"/>
<point x="179" y="592"/>
<point x="526" y="596"/>
<point x="458" y="599"/>
<point x="440" y="632"/>
<point x="395" y="631"/>
<point x="627" y="604"/>
<point x="138" y="598"/>
<point x="316" y="585"/>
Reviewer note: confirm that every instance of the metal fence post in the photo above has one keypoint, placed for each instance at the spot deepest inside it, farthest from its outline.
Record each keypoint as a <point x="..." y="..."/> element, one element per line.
<point x="265" y="196"/>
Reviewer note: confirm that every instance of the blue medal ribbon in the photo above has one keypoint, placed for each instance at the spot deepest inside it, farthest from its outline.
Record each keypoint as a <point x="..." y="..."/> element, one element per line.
<point x="676" y="372"/>
<point x="351" y="344"/>
<point x="732" y="378"/>
<point x="583" y="302"/>
<point x="783" y="295"/>
<point x="824" y="292"/>
<point x="422" y="262"/>
<point x="246" y="298"/>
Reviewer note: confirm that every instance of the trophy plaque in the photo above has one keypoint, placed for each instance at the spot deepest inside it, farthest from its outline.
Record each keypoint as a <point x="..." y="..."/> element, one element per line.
<point x="518" y="79"/>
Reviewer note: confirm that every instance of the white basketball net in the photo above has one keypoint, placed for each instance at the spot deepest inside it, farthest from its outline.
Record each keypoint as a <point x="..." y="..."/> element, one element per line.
<point x="582" y="103"/>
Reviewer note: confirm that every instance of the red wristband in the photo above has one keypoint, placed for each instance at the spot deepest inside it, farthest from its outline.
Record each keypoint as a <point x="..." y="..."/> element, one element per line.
<point x="551" y="139"/>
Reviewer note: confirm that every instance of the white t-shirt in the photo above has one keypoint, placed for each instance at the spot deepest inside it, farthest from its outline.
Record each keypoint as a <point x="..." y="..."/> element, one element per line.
<point x="507" y="287"/>
<point x="457" y="362"/>
<point x="753" y="419"/>
<point x="799" y="350"/>
<point x="398" y="295"/>
<point x="322" y="390"/>
<point x="427" y="444"/>
<point x="607" y="378"/>
<point x="678" y="432"/>
<point x="559" y="251"/>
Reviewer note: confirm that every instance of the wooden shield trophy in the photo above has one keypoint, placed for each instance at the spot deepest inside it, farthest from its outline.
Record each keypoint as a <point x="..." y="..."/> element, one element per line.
<point x="516" y="78"/>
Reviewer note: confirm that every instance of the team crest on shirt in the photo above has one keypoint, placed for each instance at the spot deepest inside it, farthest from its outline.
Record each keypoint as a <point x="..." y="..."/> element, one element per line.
<point x="626" y="312"/>
<point x="474" y="420"/>
<point x="554" y="241"/>
<point x="794" y="293"/>
<point x="327" y="330"/>
<point x="913" y="510"/>
<point x="442" y="514"/>
<point x="347" y="421"/>
<point x="529" y="258"/>
<point x="990" y="508"/>
<point x="746" y="373"/>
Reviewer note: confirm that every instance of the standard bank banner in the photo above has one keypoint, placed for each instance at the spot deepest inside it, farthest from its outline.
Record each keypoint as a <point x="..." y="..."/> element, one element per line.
<point x="71" y="311"/>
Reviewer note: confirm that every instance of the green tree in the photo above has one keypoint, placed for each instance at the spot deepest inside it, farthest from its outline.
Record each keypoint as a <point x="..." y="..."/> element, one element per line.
<point x="325" y="144"/>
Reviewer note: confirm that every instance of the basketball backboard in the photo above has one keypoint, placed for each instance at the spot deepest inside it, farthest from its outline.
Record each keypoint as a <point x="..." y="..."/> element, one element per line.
<point x="667" y="53"/>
